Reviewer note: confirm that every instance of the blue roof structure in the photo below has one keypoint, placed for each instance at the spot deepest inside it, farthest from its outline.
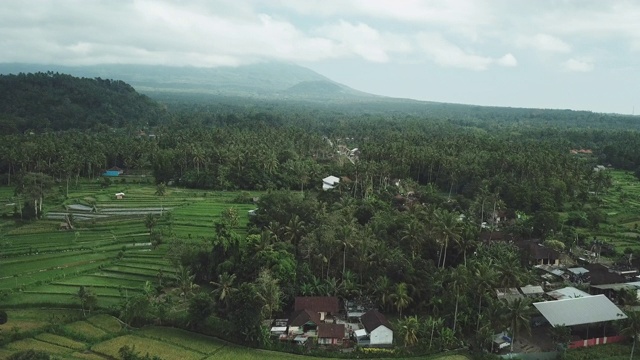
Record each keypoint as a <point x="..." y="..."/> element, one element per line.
<point x="111" y="173"/>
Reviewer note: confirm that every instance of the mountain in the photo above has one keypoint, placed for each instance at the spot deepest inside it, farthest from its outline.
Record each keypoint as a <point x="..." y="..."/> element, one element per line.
<point x="264" y="80"/>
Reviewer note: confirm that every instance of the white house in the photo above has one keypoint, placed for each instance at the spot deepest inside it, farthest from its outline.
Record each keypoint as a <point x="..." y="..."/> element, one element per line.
<point x="330" y="182"/>
<point x="378" y="328"/>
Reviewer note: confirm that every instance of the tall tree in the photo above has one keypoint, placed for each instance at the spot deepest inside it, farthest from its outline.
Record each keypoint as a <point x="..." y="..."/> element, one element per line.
<point x="631" y="327"/>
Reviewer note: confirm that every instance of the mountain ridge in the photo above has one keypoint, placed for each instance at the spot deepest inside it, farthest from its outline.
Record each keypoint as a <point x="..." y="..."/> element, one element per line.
<point x="265" y="80"/>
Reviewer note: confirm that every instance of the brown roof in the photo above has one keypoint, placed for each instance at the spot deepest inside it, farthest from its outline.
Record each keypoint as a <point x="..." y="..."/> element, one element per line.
<point x="332" y="331"/>
<point x="536" y="251"/>
<point x="372" y="319"/>
<point x="302" y="317"/>
<point x="327" y="304"/>
<point x="600" y="275"/>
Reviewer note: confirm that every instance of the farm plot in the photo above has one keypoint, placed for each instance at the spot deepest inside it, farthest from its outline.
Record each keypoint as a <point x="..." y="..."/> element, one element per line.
<point x="146" y="345"/>
<point x="33" y="344"/>
<point x="85" y="330"/>
<point x="106" y="322"/>
<point x="621" y="203"/>
<point x="61" y="341"/>
<point x="27" y="320"/>
<point x="43" y="266"/>
<point x="186" y="339"/>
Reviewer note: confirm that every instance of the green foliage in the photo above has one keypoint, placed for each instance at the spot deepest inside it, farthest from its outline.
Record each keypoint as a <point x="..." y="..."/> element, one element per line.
<point x="129" y="353"/>
<point x="52" y="101"/>
<point x="200" y="308"/>
<point x="30" y="355"/>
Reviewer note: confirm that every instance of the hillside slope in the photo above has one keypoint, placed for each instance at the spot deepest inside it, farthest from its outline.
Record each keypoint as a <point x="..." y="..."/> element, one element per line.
<point x="263" y="80"/>
<point x="51" y="101"/>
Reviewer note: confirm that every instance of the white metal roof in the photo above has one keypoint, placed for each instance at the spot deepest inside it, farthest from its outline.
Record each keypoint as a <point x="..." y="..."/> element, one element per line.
<point x="568" y="292"/>
<point x="361" y="332"/>
<point x="578" y="270"/>
<point x="532" y="290"/>
<point x="583" y="310"/>
<point x="331" y="180"/>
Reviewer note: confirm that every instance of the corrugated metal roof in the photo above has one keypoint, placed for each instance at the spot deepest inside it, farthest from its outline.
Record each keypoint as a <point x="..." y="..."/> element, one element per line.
<point x="568" y="292"/>
<point x="578" y="270"/>
<point x="584" y="310"/>
<point x="614" y="287"/>
<point x="532" y="290"/>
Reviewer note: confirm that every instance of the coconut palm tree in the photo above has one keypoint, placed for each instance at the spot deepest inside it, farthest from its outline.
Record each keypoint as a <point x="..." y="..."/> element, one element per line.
<point x="631" y="328"/>
<point x="518" y="316"/>
<point x="409" y="328"/>
<point x="446" y="228"/>
<point x="400" y="298"/>
<point x="224" y="287"/>
<point x="485" y="278"/>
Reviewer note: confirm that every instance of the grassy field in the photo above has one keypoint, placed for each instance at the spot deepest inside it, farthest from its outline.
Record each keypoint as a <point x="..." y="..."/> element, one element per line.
<point x="109" y="250"/>
<point x="100" y="337"/>
<point x="621" y="206"/>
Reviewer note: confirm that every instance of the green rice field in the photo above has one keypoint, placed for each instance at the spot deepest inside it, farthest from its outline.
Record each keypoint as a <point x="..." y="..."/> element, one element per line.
<point x="109" y="250"/>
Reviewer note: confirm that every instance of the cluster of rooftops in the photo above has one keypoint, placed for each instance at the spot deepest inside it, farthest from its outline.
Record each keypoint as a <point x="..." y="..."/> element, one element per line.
<point x="320" y="318"/>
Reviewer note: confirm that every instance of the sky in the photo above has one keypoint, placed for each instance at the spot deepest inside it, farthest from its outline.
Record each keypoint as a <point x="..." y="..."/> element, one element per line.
<point x="560" y="54"/>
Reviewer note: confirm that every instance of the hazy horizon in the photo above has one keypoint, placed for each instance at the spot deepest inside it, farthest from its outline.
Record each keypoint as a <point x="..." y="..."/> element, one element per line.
<point x="578" y="55"/>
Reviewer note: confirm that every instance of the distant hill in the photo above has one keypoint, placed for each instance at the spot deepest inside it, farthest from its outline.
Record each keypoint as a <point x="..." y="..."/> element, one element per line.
<point x="284" y="85"/>
<point x="50" y="101"/>
<point x="263" y="80"/>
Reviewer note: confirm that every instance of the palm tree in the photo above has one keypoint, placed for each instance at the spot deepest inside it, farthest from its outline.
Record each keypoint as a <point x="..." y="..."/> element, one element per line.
<point x="413" y="235"/>
<point x="410" y="327"/>
<point x="484" y="278"/>
<point x="186" y="286"/>
<point x="401" y="298"/>
<point x="631" y="328"/>
<point x="459" y="284"/>
<point x="381" y="289"/>
<point x="518" y="317"/>
<point x="224" y="287"/>
<point x="268" y="290"/>
<point x="446" y="228"/>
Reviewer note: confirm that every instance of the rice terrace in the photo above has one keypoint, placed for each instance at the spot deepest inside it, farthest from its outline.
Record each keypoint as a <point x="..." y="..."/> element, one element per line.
<point x="43" y="266"/>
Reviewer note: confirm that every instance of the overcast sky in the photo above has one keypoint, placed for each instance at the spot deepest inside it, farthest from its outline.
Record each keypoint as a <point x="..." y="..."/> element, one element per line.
<point x="568" y="54"/>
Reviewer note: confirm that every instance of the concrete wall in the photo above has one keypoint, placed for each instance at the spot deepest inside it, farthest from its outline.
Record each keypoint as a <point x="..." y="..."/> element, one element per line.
<point x="381" y="336"/>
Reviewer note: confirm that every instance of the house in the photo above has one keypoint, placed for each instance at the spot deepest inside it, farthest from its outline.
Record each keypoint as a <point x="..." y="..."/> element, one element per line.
<point x="320" y="305"/>
<point x="581" y="310"/>
<point x="378" y="329"/>
<point x="532" y="291"/>
<point x="279" y="327"/>
<point x="508" y="294"/>
<point x="538" y="254"/>
<point x="303" y="321"/>
<point x="331" y="334"/>
<point x="330" y="182"/>
<point x="120" y="195"/>
<point x="599" y="275"/>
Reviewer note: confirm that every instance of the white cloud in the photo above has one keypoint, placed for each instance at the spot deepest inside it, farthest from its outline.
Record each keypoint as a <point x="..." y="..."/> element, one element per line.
<point x="508" y="60"/>
<point x="578" y="65"/>
<point x="544" y="42"/>
<point x="364" y="41"/>
<point x="447" y="54"/>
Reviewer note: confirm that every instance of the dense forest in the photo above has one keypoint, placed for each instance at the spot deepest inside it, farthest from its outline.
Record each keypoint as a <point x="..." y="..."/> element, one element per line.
<point x="51" y="101"/>
<point x="402" y="227"/>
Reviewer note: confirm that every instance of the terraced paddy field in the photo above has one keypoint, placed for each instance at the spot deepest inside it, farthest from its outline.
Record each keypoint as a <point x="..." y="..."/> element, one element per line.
<point x="621" y="205"/>
<point x="109" y="250"/>
<point x="100" y="337"/>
